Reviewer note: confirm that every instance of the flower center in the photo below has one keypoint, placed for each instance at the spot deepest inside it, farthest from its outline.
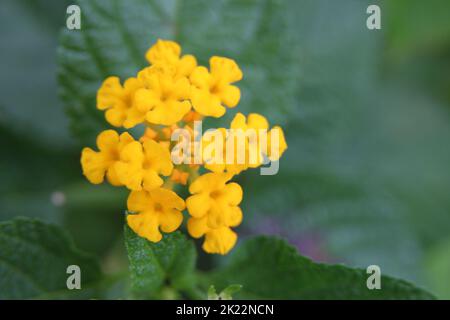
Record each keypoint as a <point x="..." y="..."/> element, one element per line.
<point x="147" y="164"/>
<point x="216" y="194"/>
<point x="158" y="207"/>
<point x="114" y="154"/>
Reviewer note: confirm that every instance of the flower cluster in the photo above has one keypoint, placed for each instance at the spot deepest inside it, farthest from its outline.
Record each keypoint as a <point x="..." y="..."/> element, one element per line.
<point x="172" y="93"/>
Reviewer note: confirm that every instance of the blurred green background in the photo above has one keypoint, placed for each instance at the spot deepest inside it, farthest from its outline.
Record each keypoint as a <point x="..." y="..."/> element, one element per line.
<point x="366" y="113"/>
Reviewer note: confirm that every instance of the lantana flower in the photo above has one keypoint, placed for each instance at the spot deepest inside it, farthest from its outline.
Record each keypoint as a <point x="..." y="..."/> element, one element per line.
<point x="213" y="89"/>
<point x="219" y="241"/>
<point x="249" y="134"/>
<point x="141" y="165"/>
<point x="164" y="98"/>
<point x="213" y="206"/>
<point x="154" y="211"/>
<point x="118" y="101"/>
<point x="260" y="126"/>
<point x="168" y="54"/>
<point x="98" y="164"/>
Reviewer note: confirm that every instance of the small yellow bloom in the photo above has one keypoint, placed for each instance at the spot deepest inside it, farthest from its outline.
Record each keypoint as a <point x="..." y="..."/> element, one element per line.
<point x="98" y="164"/>
<point x="118" y="101"/>
<point x="220" y="240"/>
<point x="214" y="209"/>
<point x="226" y="158"/>
<point x="164" y="98"/>
<point x="167" y="54"/>
<point x="141" y="164"/>
<point x="259" y="124"/>
<point x="154" y="211"/>
<point x="215" y="199"/>
<point x="213" y="89"/>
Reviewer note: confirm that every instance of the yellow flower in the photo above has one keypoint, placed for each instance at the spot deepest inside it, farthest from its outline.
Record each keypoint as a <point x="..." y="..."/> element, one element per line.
<point x="259" y="124"/>
<point x="214" y="209"/>
<point x="96" y="165"/>
<point x="141" y="164"/>
<point x="164" y="98"/>
<point x="118" y="101"/>
<point x="220" y="240"/>
<point x="215" y="199"/>
<point x="225" y="158"/>
<point x="167" y="54"/>
<point x="213" y="89"/>
<point x="280" y="145"/>
<point x="155" y="210"/>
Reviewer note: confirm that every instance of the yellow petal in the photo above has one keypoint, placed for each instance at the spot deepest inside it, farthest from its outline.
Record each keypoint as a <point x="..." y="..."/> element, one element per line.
<point x="151" y="180"/>
<point x="230" y="96"/>
<point x="200" y="77"/>
<point x="219" y="241"/>
<point x="198" y="205"/>
<point x="239" y="122"/>
<point x="206" y="103"/>
<point x="209" y="182"/>
<point x="169" y="112"/>
<point x="170" y="220"/>
<point x="257" y="121"/>
<point x="146" y="225"/>
<point x="139" y="201"/>
<point x="163" y="50"/>
<point x="145" y="100"/>
<point x="217" y="216"/>
<point x="108" y="92"/>
<point x="197" y="227"/>
<point x="225" y="68"/>
<point x="181" y="88"/>
<point x="186" y="65"/>
<point x="112" y="177"/>
<point x="232" y="193"/>
<point x="235" y="216"/>
<point x="115" y="117"/>
<point x="279" y="145"/>
<point x="168" y="199"/>
<point x="107" y="140"/>
<point x="157" y="158"/>
<point x="129" y="169"/>
<point x="94" y="165"/>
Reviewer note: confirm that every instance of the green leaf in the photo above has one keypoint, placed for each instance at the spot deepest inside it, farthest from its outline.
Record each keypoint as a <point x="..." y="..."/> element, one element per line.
<point x="34" y="257"/>
<point x="212" y="293"/>
<point x="226" y="294"/>
<point x="268" y="268"/>
<point x="437" y="268"/>
<point x="170" y="262"/>
<point x="332" y="218"/>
